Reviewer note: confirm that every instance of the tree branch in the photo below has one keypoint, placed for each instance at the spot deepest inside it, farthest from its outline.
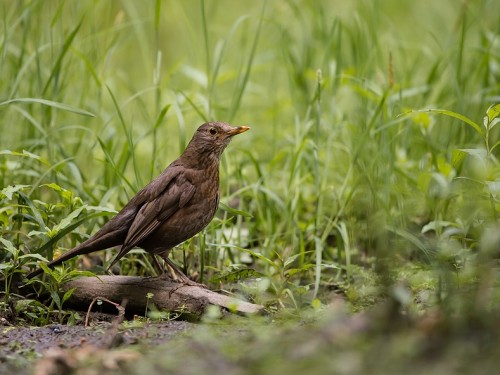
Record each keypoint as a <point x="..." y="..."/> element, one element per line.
<point x="167" y="295"/>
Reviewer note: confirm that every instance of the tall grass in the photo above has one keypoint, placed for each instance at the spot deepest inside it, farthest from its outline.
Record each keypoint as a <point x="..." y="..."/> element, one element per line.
<point x="337" y="181"/>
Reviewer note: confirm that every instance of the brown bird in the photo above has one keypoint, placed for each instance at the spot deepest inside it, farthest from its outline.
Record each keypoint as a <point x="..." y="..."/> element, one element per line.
<point x="172" y="208"/>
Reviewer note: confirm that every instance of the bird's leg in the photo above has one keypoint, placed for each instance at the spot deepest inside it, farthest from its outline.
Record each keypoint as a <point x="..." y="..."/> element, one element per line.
<point x="176" y="271"/>
<point x="178" y="274"/>
<point x="161" y="269"/>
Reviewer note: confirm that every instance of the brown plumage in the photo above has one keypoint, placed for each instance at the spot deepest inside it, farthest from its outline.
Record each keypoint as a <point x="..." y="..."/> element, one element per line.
<point x="172" y="208"/>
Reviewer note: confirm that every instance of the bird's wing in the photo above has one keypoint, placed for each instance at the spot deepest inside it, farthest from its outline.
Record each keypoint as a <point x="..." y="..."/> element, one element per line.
<point x="156" y="211"/>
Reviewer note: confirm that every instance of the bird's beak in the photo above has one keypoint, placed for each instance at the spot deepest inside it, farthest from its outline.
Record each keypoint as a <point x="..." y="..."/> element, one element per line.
<point x="238" y="130"/>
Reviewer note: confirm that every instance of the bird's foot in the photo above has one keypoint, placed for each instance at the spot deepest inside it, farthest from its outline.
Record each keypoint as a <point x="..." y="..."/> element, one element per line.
<point x="178" y="276"/>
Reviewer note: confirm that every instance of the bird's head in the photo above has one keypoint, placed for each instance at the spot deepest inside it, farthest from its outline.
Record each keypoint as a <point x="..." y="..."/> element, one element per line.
<point x="211" y="138"/>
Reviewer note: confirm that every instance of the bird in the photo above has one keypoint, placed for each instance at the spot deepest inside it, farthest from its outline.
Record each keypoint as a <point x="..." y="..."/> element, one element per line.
<point x="172" y="208"/>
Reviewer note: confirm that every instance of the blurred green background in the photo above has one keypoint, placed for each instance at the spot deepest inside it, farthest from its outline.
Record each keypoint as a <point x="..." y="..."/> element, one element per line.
<point x="369" y="181"/>
<point x="346" y="183"/>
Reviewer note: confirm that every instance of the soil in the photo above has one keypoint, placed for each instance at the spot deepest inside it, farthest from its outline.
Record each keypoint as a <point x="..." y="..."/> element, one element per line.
<point x="20" y="346"/>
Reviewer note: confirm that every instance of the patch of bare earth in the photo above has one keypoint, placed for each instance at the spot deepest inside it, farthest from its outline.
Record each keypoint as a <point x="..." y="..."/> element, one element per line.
<point x="64" y="347"/>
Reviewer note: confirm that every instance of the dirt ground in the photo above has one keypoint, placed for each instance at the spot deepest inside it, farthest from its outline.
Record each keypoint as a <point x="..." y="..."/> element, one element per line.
<point x="331" y="341"/>
<point x="22" y="347"/>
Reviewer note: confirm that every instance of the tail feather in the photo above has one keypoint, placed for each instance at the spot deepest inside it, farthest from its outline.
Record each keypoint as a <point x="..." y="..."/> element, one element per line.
<point x="95" y="243"/>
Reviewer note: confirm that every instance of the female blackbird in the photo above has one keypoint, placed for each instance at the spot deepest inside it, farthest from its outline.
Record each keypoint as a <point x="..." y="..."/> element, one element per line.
<point x="172" y="208"/>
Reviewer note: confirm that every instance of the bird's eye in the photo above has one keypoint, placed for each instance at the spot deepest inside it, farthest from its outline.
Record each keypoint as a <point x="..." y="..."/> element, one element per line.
<point x="213" y="131"/>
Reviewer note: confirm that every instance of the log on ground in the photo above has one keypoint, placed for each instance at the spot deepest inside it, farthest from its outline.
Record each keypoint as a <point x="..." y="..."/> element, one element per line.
<point x="166" y="295"/>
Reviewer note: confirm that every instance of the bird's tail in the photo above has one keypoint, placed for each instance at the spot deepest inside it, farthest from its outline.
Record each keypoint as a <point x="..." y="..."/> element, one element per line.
<point x="93" y="244"/>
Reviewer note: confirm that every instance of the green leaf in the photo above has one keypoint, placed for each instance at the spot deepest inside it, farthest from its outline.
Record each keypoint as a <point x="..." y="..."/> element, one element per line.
<point x="38" y="232"/>
<point x="34" y="210"/>
<point x="67" y="295"/>
<point x="411" y="238"/>
<point x="436" y="224"/>
<point x="457" y="157"/>
<point x="66" y="194"/>
<point x="101" y="209"/>
<point x="67" y="220"/>
<point x="237" y="275"/>
<point x="290" y="260"/>
<point x="55" y="187"/>
<point x="34" y="256"/>
<point x="9" y="191"/>
<point x="445" y="112"/>
<point x="50" y="103"/>
<point x="9" y="246"/>
<point x="52" y="273"/>
<point x="293" y="271"/>
<point x="493" y="112"/>
<point x="65" y="48"/>
<point x="476" y="152"/>
<point x="233" y="211"/>
<point x="494" y="122"/>
<point x="23" y="304"/>
<point x="25" y="154"/>
<point x="56" y="299"/>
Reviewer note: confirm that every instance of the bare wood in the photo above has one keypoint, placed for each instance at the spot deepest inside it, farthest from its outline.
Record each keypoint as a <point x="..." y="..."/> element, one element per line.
<point x="167" y="295"/>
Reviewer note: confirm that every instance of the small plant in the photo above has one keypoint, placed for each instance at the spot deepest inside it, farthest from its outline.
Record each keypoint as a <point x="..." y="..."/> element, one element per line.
<point x="13" y="264"/>
<point x="149" y="297"/>
<point x="53" y="285"/>
<point x="31" y="228"/>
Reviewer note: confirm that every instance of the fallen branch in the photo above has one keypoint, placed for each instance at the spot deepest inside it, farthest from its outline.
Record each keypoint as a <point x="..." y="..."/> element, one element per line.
<point x="165" y="294"/>
<point x="119" y="307"/>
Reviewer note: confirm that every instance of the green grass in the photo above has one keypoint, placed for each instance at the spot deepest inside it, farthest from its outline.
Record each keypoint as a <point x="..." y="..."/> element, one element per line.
<point x="346" y="177"/>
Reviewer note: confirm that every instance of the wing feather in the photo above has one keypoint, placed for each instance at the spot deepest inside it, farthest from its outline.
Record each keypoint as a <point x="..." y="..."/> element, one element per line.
<point x="156" y="211"/>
